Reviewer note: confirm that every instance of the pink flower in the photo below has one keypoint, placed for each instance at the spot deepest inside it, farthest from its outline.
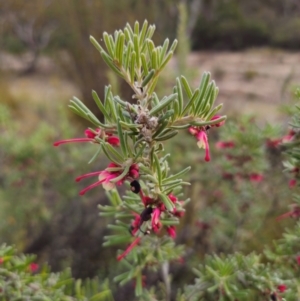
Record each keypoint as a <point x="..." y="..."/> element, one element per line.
<point x="181" y="260"/>
<point x="256" y="177"/>
<point x="136" y="223"/>
<point x="155" y="223"/>
<point x="33" y="267"/>
<point x="203" y="225"/>
<point x="172" y="231"/>
<point x="298" y="259"/>
<point x="289" y="136"/>
<point x="1" y="260"/>
<point x="281" y="288"/>
<point x="225" y="144"/>
<point x="294" y="213"/>
<point x="273" y="143"/>
<point x="129" y="248"/>
<point x="146" y="199"/>
<point x="201" y="136"/>
<point x="292" y="183"/>
<point x="172" y="198"/>
<point x="90" y="134"/>
<point x="106" y="177"/>
<point x="113" y="140"/>
<point x="178" y="213"/>
<point x="91" y="137"/>
<point x="218" y="124"/>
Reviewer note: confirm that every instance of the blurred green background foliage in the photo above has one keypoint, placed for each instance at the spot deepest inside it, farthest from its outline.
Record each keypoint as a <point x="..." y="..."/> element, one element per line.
<point x="46" y="57"/>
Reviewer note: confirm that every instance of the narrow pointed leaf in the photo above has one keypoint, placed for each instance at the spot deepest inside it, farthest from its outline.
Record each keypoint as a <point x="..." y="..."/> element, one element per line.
<point x="179" y="174"/>
<point x="132" y="67"/>
<point x="191" y="102"/>
<point x="164" y="49"/>
<point x="167" y="136"/>
<point x="143" y="32"/>
<point x="100" y="105"/>
<point x="136" y="28"/>
<point x="108" y="44"/>
<point x="122" y="140"/>
<point x="162" y="104"/>
<point x="144" y="63"/>
<point x="110" y="63"/>
<point x="166" y="60"/>
<point x="214" y="111"/>
<point x="96" y="44"/>
<point x="186" y="86"/>
<point x="154" y="60"/>
<point x="180" y="95"/>
<point x="174" y="45"/>
<point x="157" y="168"/>
<point x="128" y="55"/>
<point x="119" y="48"/>
<point x="137" y="50"/>
<point x="148" y="78"/>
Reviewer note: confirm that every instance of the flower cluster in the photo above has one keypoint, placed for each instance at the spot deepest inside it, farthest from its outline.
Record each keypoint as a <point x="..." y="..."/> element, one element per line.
<point x="200" y="133"/>
<point x="271" y="143"/>
<point x="91" y="136"/>
<point x="241" y="161"/>
<point x="153" y="211"/>
<point x="113" y="175"/>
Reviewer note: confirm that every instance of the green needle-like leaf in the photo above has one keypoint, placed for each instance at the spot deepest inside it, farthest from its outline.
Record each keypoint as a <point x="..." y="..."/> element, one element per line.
<point x="128" y="27"/>
<point x="151" y="47"/>
<point x="209" y="122"/>
<point x="95" y="155"/>
<point x="180" y="96"/>
<point x="214" y="111"/>
<point x="179" y="174"/>
<point x="157" y="168"/>
<point x="191" y="101"/>
<point x="186" y="86"/>
<point x="143" y="32"/>
<point x="148" y="78"/>
<point x="132" y="67"/>
<point x="164" y="49"/>
<point x="127" y="35"/>
<point x="154" y="59"/>
<point x="120" y="48"/>
<point x="166" y="60"/>
<point x="137" y="50"/>
<point x="108" y="60"/>
<point x="128" y="55"/>
<point x="150" y="32"/>
<point x="100" y="105"/>
<point x="166" y="136"/>
<point x="144" y="64"/>
<point x="96" y="44"/>
<point x="174" y="45"/>
<point x="136" y="28"/>
<point x="203" y="89"/>
<point x="109" y="45"/>
<point x="122" y="140"/>
<point x="166" y="101"/>
<point x="117" y="159"/>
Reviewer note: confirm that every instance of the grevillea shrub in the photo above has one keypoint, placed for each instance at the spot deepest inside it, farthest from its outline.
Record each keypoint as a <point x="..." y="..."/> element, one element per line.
<point x="132" y="135"/>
